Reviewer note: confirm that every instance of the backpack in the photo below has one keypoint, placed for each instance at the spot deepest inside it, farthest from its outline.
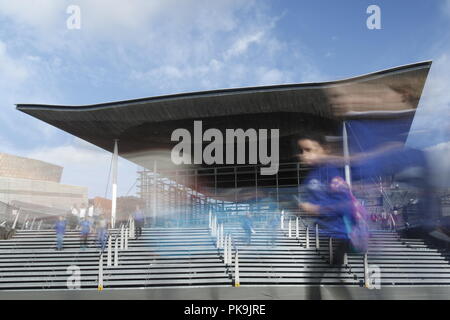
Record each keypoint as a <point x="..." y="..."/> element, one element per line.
<point x="356" y="222"/>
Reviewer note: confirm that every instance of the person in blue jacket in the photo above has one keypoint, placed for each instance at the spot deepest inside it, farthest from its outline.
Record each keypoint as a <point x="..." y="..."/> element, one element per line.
<point x="329" y="198"/>
<point x="60" y="229"/>
<point x="247" y="226"/>
<point x="85" y="229"/>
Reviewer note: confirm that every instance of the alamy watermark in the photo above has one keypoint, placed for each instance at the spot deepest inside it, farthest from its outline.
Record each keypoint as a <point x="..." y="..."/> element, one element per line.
<point x="374" y="277"/>
<point x="373" y="22"/>
<point x="74" y="279"/>
<point x="73" y="22"/>
<point x="214" y="152"/>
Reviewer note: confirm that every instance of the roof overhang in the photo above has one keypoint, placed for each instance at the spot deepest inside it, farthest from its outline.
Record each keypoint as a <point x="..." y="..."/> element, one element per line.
<point x="144" y="126"/>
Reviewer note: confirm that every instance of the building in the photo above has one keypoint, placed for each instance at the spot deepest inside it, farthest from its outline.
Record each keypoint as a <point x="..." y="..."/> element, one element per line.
<point x="144" y="127"/>
<point x="36" y="184"/>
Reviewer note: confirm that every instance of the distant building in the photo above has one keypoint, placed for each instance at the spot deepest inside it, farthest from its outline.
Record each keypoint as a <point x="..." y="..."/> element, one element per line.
<point x="34" y="182"/>
<point x="103" y="206"/>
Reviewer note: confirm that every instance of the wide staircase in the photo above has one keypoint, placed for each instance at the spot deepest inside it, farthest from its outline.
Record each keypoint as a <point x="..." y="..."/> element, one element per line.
<point x="189" y="257"/>
<point x="400" y="261"/>
<point x="159" y="258"/>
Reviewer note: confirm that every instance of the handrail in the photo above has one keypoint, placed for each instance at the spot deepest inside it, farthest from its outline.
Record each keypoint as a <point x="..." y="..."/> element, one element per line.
<point x="109" y="239"/>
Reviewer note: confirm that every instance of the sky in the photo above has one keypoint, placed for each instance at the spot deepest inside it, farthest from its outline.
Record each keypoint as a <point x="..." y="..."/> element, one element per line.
<point x="143" y="48"/>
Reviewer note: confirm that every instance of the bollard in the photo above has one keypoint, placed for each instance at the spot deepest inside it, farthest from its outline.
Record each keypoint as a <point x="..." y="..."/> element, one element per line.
<point x="366" y="271"/>
<point x="213" y="227"/>
<point x="345" y="259"/>
<point x="289" y="229"/>
<point x="296" y="228"/>
<point x="130" y="230"/>
<point x="217" y="239"/>
<point x="116" y="253"/>
<point x="331" y="250"/>
<point x="32" y="223"/>
<point x="16" y="218"/>
<point x="216" y="225"/>
<point x="221" y="236"/>
<point x="126" y="239"/>
<point x="209" y="219"/>
<point x="225" y="251"/>
<point x="230" y="250"/>
<point x="317" y="237"/>
<point x="282" y="220"/>
<point x="307" y="237"/>
<point x="109" y="255"/>
<point x="121" y="238"/>
<point x="236" y="270"/>
<point x="100" y="273"/>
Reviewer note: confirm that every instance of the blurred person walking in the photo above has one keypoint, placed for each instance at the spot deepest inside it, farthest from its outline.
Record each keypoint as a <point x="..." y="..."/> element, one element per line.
<point x="90" y="211"/>
<point x="273" y="225"/>
<point x="102" y="232"/>
<point x="329" y="200"/>
<point x="85" y="229"/>
<point x="247" y="225"/>
<point x="83" y="211"/>
<point x="75" y="210"/>
<point x="138" y="217"/>
<point x="60" y="228"/>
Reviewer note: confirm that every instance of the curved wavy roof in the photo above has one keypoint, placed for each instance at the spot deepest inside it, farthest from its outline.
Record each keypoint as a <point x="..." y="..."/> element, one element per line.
<point x="146" y="124"/>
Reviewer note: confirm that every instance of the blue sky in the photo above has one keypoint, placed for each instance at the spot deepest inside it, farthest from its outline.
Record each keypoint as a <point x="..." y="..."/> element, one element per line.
<point x="141" y="48"/>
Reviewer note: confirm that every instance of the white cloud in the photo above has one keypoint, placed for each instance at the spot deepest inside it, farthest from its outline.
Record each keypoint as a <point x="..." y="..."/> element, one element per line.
<point x="432" y="120"/>
<point x="272" y="76"/>
<point x="127" y="49"/>
<point x="88" y="166"/>
<point x="436" y="92"/>
<point x="163" y="45"/>
<point x="241" y="45"/>
<point x="10" y="70"/>
<point x="438" y="156"/>
<point x="42" y="15"/>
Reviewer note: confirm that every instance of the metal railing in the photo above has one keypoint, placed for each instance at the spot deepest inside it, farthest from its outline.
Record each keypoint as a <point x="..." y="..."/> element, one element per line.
<point x="120" y="243"/>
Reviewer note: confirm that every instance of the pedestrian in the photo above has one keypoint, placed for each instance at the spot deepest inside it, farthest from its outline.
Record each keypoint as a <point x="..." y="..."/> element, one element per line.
<point x="102" y="233"/>
<point x="60" y="228"/>
<point x="83" y="211"/>
<point x="85" y="229"/>
<point x="391" y="220"/>
<point x="247" y="226"/>
<point x="75" y="210"/>
<point x="138" y="217"/>
<point x="90" y="211"/>
<point x="384" y="220"/>
<point x="329" y="198"/>
<point x="273" y="225"/>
